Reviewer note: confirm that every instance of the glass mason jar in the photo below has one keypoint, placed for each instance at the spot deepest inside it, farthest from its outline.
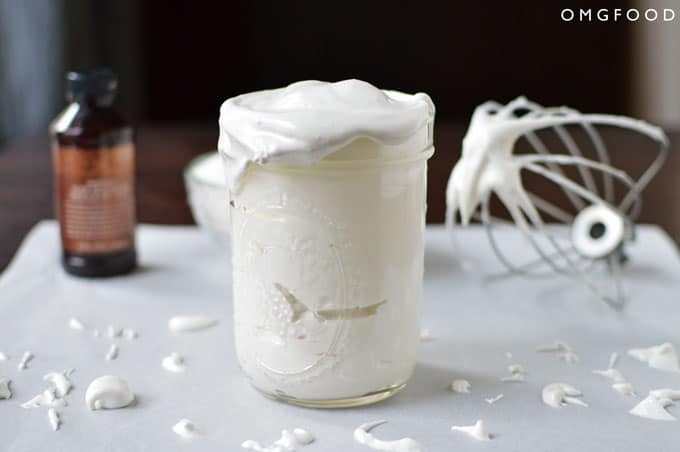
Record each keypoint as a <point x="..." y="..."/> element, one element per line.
<point x="328" y="270"/>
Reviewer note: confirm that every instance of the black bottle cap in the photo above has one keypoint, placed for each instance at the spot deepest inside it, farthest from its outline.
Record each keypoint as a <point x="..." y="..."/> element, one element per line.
<point x="98" y="86"/>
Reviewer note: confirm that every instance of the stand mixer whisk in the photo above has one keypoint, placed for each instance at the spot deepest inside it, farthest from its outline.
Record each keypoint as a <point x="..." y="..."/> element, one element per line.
<point x="600" y="222"/>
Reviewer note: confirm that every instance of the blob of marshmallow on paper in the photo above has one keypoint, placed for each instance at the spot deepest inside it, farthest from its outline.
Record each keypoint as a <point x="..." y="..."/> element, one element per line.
<point x="561" y="147"/>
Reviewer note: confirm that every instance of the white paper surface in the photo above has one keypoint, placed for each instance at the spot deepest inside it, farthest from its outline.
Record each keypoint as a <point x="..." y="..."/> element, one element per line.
<point x="474" y="323"/>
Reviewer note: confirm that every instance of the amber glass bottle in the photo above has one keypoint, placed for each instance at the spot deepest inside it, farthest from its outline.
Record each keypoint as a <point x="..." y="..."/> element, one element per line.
<point x="94" y="159"/>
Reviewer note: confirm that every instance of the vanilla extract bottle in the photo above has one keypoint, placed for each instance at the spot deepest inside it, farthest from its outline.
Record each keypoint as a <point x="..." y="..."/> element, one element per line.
<point x="93" y="155"/>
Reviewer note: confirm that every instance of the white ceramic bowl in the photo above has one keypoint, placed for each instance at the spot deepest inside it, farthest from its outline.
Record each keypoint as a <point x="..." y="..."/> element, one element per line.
<point x="208" y="195"/>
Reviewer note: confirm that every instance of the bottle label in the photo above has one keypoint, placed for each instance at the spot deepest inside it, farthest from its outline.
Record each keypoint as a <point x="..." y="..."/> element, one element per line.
<point x="95" y="198"/>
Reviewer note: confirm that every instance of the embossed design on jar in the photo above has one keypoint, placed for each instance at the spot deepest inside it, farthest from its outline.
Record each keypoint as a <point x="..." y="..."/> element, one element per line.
<point x="291" y="261"/>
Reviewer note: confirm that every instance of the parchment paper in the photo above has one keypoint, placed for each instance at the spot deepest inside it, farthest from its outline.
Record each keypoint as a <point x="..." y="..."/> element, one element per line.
<point x="474" y="322"/>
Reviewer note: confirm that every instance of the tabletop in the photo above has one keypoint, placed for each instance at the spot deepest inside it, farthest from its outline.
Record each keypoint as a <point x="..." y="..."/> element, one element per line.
<point x="478" y="328"/>
<point x="163" y="150"/>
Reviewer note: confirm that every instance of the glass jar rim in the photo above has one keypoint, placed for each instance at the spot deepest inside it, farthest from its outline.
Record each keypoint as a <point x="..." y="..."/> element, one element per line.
<point x="324" y="164"/>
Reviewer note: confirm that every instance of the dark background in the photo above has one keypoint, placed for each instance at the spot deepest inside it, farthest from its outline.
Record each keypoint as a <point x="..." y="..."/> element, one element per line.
<point x="177" y="61"/>
<point x="460" y="53"/>
<point x="182" y="59"/>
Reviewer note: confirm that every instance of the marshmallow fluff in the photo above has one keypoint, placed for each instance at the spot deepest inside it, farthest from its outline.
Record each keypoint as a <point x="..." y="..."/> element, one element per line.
<point x="477" y="431"/>
<point x="108" y="392"/>
<point x="562" y="349"/>
<point x="307" y="121"/>
<point x="517" y="374"/>
<point x="363" y="435"/>
<point x="112" y="353"/>
<point x="558" y="394"/>
<point x="60" y="381"/>
<point x="460" y="386"/>
<point x="5" y="391"/>
<point x="25" y="359"/>
<point x="290" y="441"/>
<point x="190" y="323"/>
<point x="327" y="192"/>
<point x="47" y="398"/>
<point x="662" y="357"/>
<point x="53" y="419"/>
<point x="76" y="324"/>
<point x="174" y="362"/>
<point x="185" y="428"/>
<point x="494" y="399"/>
<point x="654" y="405"/>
